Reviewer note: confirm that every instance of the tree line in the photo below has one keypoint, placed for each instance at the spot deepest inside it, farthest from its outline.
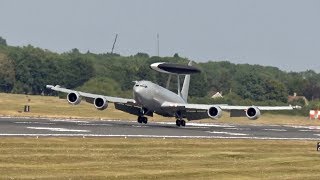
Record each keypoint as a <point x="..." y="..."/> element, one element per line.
<point x="28" y="69"/>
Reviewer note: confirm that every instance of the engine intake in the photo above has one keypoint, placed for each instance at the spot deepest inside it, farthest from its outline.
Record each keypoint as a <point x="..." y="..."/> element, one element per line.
<point x="253" y="113"/>
<point x="74" y="98"/>
<point x="214" y="112"/>
<point x="100" y="103"/>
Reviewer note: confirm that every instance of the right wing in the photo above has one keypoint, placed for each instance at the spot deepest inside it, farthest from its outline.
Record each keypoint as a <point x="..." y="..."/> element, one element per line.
<point x="201" y="111"/>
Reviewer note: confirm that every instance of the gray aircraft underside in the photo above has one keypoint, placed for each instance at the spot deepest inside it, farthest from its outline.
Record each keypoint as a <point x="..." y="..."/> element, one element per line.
<point x="149" y="98"/>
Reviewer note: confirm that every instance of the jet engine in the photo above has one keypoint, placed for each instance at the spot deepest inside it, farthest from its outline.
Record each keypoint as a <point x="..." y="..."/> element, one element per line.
<point x="253" y="113"/>
<point x="100" y="103"/>
<point x="214" y="112"/>
<point x="74" y="98"/>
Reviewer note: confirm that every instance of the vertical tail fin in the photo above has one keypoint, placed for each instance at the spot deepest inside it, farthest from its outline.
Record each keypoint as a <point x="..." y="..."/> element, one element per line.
<point x="185" y="86"/>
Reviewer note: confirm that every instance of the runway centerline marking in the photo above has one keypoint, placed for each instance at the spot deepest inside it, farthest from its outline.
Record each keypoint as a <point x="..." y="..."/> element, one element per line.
<point x="198" y="125"/>
<point x="58" y="129"/>
<point x="138" y="126"/>
<point x="68" y="120"/>
<point x="94" y="124"/>
<point x="227" y="133"/>
<point x="279" y="130"/>
<point x="239" y="129"/>
<point x="305" y="130"/>
<point x="31" y="122"/>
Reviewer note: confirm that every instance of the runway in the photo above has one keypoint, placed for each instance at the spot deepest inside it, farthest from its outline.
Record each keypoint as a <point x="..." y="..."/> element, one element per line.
<point x="32" y="127"/>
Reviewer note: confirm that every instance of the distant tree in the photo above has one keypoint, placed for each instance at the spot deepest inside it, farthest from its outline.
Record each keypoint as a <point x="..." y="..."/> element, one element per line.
<point x="176" y="55"/>
<point x="77" y="71"/>
<point x="75" y="51"/>
<point x="3" y="41"/>
<point x="142" y="55"/>
<point x="275" y="90"/>
<point x="99" y="85"/>
<point x="7" y="74"/>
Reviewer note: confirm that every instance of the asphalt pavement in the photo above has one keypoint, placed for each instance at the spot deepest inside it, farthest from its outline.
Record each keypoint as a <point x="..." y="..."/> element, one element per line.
<point x="25" y="127"/>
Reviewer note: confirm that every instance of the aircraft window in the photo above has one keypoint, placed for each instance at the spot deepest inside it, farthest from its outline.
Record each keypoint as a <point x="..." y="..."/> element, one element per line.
<point x="141" y="85"/>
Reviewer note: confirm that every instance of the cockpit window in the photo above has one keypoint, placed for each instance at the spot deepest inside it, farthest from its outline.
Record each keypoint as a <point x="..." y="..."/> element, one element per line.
<point x="141" y="85"/>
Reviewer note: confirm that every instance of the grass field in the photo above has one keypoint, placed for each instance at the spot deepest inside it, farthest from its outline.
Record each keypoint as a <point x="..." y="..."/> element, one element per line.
<point x="45" y="106"/>
<point x="120" y="158"/>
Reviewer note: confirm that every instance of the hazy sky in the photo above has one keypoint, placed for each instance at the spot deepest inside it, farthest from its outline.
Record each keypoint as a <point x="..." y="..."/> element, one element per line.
<point x="281" y="33"/>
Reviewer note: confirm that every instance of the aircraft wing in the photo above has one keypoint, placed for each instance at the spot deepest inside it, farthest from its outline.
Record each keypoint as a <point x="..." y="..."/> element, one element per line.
<point x="201" y="111"/>
<point x="224" y="107"/>
<point x="90" y="97"/>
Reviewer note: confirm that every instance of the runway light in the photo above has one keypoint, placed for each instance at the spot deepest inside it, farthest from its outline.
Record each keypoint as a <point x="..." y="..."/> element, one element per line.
<point x="318" y="146"/>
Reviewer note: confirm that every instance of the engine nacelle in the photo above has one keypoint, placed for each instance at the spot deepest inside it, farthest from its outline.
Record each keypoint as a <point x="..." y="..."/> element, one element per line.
<point x="100" y="103"/>
<point x="74" y="98"/>
<point x="253" y="113"/>
<point x="214" y="112"/>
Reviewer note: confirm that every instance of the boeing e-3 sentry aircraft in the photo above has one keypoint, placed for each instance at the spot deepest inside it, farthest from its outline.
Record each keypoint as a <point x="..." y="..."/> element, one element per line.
<point x="149" y="98"/>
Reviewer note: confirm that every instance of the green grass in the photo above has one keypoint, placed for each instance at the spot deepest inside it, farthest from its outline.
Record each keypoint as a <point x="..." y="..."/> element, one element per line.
<point x="45" y="106"/>
<point x="120" y="158"/>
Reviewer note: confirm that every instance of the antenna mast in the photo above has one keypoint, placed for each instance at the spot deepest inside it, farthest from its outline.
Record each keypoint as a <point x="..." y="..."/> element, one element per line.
<point x="158" y="44"/>
<point x="115" y="40"/>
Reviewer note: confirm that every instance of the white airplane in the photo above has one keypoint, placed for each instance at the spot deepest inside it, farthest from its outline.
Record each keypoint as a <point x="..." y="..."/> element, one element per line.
<point x="149" y="98"/>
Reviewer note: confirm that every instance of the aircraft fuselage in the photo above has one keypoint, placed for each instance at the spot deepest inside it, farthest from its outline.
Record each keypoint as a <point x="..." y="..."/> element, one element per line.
<point x="151" y="96"/>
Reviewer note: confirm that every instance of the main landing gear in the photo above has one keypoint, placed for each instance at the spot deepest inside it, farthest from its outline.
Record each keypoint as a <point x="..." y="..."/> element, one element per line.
<point x="180" y="122"/>
<point x="142" y="119"/>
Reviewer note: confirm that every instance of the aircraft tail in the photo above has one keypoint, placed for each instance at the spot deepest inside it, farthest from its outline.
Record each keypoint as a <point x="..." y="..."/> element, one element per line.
<point x="185" y="86"/>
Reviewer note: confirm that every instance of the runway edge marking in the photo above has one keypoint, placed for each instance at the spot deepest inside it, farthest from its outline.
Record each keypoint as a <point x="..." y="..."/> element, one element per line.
<point x="153" y="136"/>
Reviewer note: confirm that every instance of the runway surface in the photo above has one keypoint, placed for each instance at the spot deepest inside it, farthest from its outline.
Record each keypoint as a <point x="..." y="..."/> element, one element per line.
<point x="24" y="127"/>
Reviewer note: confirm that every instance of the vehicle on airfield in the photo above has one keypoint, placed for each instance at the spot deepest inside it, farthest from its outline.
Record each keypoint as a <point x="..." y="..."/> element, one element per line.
<point x="149" y="98"/>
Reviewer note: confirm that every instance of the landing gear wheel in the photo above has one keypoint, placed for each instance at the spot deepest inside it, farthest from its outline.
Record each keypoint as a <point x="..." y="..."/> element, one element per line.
<point x="183" y="122"/>
<point x="178" y="122"/>
<point x="140" y="119"/>
<point x="145" y="120"/>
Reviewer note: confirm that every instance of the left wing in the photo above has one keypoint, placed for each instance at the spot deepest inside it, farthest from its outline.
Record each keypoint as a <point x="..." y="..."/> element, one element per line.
<point x="90" y="97"/>
<point x="100" y="101"/>
<point x="200" y="111"/>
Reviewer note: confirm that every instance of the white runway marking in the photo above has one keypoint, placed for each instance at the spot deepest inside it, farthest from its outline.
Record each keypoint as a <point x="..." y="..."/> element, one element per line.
<point x="305" y="127"/>
<point x="279" y="130"/>
<point x="69" y="120"/>
<point x="92" y="124"/>
<point x="26" y="122"/>
<point x="305" y="130"/>
<point x="198" y="124"/>
<point x="194" y="127"/>
<point x="239" y="129"/>
<point x="139" y="126"/>
<point x="156" y="136"/>
<point x="58" y="129"/>
<point x="227" y="133"/>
